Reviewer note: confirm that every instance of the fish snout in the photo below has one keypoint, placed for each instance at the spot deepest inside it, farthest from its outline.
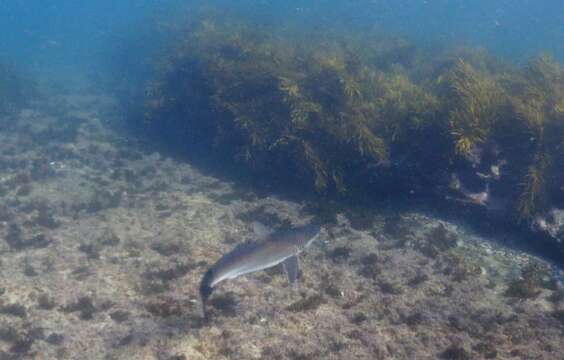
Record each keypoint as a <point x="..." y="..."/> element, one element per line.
<point x="205" y="286"/>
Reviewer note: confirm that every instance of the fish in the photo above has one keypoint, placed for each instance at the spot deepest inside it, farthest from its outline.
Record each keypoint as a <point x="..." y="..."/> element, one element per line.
<point x="272" y="248"/>
<point x="493" y="204"/>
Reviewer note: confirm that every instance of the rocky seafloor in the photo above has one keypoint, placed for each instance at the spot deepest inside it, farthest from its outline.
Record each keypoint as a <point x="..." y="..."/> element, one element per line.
<point x="103" y="244"/>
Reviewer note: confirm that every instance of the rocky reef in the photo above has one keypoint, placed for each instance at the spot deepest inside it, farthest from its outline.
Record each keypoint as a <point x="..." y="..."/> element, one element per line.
<point x="102" y="255"/>
<point x="357" y="115"/>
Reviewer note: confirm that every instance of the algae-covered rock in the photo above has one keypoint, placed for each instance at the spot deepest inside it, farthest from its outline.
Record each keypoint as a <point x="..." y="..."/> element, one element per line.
<point x="529" y="284"/>
<point x="357" y="115"/>
<point x="277" y="102"/>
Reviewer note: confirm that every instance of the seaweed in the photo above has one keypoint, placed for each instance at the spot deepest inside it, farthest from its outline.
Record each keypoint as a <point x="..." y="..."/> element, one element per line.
<point x="119" y="316"/>
<point x="307" y="303"/>
<point x="29" y="270"/>
<point x="437" y="241"/>
<point x="371" y="267"/>
<point x="456" y="352"/>
<point x="164" y="308"/>
<point x="6" y="213"/>
<point x="102" y="199"/>
<point x="92" y="249"/>
<point x="261" y="215"/>
<point x="46" y="302"/>
<point x="17" y="240"/>
<point x="537" y="94"/>
<point x="392" y="288"/>
<point x="84" y="306"/>
<point x="44" y="217"/>
<point x="360" y="219"/>
<point x="487" y="349"/>
<point x="528" y="285"/>
<point x="14" y="310"/>
<point x="8" y="333"/>
<point x="358" y="318"/>
<point x="559" y="315"/>
<point x="166" y="248"/>
<point x="225" y="303"/>
<point x="532" y="199"/>
<point x="109" y="238"/>
<point x="396" y="227"/>
<point x="169" y="274"/>
<point x="460" y="267"/>
<point x="476" y="101"/>
<point x="271" y="103"/>
<point x="24" y="190"/>
<point x="55" y="339"/>
<point x="353" y="116"/>
<point x="418" y="280"/>
<point x="415" y="319"/>
<point x="340" y="253"/>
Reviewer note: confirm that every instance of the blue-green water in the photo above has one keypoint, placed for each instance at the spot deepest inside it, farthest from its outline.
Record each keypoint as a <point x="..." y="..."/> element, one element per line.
<point x="142" y="141"/>
<point x="76" y="35"/>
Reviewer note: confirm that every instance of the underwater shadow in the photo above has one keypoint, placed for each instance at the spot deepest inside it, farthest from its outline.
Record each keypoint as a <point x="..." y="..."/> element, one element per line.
<point x="390" y="196"/>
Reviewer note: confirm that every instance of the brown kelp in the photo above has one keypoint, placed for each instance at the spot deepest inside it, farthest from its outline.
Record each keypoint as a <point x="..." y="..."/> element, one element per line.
<point x="348" y="113"/>
<point x="536" y="126"/>
<point x="276" y="100"/>
<point x="474" y="100"/>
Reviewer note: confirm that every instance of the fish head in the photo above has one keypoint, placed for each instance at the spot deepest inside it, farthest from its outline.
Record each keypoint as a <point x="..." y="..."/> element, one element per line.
<point x="206" y="288"/>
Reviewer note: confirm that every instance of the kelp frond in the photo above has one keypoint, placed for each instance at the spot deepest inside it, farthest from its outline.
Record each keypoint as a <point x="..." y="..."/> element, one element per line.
<point x="330" y="106"/>
<point x="530" y="111"/>
<point x="400" y="104"/>
<point x="545" y="71"/>
<point x="300" y="113"/>
<point x="289" y="87"/>
<point x="314" y="161"/>
<point x="476" y="98"/>
<point x="533" y="193"/>
<point x="351" y="89"/>
<point x="357" y="131"/>
<point x="559" y="107"/>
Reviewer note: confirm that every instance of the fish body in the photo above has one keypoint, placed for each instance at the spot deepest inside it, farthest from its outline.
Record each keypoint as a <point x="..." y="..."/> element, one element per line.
<point x="277" y="247"/>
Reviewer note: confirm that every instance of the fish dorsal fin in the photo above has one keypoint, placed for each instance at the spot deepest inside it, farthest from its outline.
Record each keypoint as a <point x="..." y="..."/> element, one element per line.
<point x="261" y="231"/>
<point x="292" y="267"/>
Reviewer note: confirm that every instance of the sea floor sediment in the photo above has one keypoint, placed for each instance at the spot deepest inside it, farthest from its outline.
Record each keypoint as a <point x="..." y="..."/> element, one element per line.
<point x="103" y="244"/>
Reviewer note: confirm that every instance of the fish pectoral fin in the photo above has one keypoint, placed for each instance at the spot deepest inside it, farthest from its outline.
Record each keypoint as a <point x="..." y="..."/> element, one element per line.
<point x="261" y="231"/>
<point x="292" y="267"/>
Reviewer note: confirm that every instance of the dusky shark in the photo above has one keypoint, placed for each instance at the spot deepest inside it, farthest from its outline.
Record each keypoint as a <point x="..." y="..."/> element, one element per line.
<point x="270" y="249"/>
